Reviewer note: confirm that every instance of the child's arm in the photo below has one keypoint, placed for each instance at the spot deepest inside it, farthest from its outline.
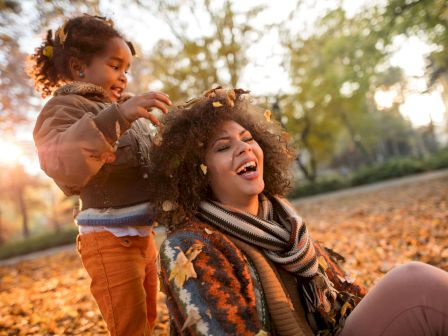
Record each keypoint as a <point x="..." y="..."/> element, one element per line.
<point x="70" y="144"/>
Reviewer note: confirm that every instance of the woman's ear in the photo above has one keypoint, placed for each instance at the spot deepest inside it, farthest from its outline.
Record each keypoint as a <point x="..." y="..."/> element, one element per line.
<point x="77" y="69"/>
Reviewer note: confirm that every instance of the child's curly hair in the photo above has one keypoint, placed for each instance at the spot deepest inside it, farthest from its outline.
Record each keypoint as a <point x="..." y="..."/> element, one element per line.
<point x="179" y="148"/>
<point x="81" y="37"/>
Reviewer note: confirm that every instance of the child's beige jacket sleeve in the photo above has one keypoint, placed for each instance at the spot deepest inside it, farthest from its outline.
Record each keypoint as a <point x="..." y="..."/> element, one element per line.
<point x="71" y="146"/>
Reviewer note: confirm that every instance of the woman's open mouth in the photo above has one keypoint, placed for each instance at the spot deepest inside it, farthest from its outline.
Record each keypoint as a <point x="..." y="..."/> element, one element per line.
<point x="248" y="170"/>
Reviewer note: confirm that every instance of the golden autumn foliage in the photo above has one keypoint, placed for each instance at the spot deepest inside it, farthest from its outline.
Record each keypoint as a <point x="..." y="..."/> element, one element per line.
<point x="374" y="231"/>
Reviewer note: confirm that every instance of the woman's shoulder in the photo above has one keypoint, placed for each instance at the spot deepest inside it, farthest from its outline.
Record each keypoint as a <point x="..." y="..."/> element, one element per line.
<point x="202" y="270"/>
<point x="196" y="231"/>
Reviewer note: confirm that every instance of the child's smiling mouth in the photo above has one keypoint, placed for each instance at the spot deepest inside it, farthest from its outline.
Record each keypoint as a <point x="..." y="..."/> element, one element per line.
<point x="116" y="92"/>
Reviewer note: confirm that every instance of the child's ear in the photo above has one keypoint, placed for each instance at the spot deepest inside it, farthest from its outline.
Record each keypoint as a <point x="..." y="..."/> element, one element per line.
<point x="77" y="68"/>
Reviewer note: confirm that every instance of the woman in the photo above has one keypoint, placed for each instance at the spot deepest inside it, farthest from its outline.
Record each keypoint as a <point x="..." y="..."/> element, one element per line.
<point x="238" y="260"/>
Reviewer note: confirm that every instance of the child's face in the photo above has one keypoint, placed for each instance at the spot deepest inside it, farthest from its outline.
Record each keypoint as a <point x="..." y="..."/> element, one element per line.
<point x="234" y="165"/>
<point x="109" y="69"/>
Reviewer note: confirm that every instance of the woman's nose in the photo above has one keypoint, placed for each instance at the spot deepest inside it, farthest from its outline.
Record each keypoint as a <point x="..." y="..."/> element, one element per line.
<point x="244" y="147"/>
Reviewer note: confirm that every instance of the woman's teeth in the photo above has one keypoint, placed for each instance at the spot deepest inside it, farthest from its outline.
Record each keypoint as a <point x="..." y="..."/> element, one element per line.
<point x="249" y="166"/>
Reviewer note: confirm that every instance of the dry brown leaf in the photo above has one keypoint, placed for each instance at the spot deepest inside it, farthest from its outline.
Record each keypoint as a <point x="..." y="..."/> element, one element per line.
<point x="183" y="268"/>
<point x="267" y="115"/>
<point x="203" y="168"/>
<point x="167" y="206"/>
<point x="344" y="308"/>
<point x="322" y="262"/>
<point x="193" y="317"/>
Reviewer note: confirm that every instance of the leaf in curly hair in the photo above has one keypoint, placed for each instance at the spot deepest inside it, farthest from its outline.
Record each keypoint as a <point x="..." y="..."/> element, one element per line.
<point x="167" y="206"/>
<point x="346" y="306"/>
<point x="267" y="115"/>
<point x="61" y="34"/>
<point x="231" y="96"/>
<point x="203" y="168"/>
<point x="217" y="104"/>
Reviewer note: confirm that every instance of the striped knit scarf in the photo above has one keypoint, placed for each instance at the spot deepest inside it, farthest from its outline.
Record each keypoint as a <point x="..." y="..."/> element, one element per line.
<point x="282" y="235"/>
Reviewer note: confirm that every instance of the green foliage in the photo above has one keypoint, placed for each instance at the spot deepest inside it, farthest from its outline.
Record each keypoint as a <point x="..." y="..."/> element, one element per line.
<point x="394" y="168"/>
<point x="306" y="188"/>
<point x="38" y="243"/>
<point x="388" y="170"/>
<point x="207" y="46"/>
<point x="438" y="160"/>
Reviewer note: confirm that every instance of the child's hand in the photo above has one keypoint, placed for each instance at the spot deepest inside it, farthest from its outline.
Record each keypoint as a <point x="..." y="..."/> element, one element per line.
<point x="141" y="106"/>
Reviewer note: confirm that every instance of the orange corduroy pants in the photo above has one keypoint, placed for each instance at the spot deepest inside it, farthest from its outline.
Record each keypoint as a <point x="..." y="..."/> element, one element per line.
<point x="124" y="279"/>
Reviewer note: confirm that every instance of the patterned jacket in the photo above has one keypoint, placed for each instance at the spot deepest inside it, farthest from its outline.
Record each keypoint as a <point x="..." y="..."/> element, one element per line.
<point x="229" y="293"/>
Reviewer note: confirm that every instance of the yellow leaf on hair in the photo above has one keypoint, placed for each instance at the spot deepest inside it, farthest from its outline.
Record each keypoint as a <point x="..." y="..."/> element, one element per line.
<point x="267" y="115"/>
<point x="203" y="168"/>
<point x="193" y="317"/>
<point x="183" y="268"/>
<point x="167" y="205"/>
<point x="344" y="308"/>
<point x="231" y="97"/>
<point x="217" y="104"/>
<point x="62" y="35"/>
<point x="48" y="51"/>
<point x="261" y="333"/>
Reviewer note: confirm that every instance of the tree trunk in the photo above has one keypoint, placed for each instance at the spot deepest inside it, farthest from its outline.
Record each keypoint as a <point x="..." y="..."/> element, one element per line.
<point x="310" y="170"/>
<point x="23" y="212"/>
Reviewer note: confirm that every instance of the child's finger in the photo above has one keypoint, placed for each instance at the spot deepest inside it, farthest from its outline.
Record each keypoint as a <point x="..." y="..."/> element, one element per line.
<point x="159" y="96"/>
<point x="150" y="103"/>
<point x="148" y="115"/>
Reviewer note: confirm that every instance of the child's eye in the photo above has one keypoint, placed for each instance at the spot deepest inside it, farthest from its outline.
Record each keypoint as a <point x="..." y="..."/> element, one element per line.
<point x="115" y="67"/>
<point x="249" y="139"/>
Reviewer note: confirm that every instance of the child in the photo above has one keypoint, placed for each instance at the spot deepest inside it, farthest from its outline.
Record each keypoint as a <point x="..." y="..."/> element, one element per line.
<point x="92" y="143"/>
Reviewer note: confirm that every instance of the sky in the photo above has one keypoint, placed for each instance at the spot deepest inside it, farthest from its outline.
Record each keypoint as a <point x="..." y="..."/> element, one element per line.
<point x="266" y="68"/>
<point x="265" y="74"/>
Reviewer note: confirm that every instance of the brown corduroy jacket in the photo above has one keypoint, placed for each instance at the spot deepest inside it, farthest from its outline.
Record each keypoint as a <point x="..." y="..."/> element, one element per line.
<point x="89" y="149"/>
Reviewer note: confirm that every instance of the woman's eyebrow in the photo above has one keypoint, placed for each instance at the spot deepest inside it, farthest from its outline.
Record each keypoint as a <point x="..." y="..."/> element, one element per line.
<point x="227" y="137"/>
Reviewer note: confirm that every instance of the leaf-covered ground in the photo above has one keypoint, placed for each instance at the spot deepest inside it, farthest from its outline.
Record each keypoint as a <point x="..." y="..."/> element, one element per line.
<point x="374" y="231"/>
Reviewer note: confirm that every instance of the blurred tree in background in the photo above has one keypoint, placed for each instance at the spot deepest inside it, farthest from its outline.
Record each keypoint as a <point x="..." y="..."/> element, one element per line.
<point x="336" y="66"/>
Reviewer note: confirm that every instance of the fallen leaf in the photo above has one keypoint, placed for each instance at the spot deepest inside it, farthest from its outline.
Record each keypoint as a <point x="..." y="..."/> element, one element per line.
<point x="217" y="104"/>
<point x="183" y="268"/>
<point x="208" y="231"/>
<point x="322" y="262"/>
<point x="193" y="317"/>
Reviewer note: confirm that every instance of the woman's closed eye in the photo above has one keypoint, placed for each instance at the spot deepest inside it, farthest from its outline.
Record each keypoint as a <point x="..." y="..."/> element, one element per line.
<point x="223" y="148"/>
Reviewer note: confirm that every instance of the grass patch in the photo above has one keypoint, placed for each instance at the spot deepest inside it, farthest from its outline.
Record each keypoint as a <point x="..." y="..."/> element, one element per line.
<point x="38" y="243"/>
<point x="393" y="168"/>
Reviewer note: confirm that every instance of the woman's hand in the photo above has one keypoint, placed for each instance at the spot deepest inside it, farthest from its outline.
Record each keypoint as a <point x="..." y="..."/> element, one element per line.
<point x="141" y="106"/>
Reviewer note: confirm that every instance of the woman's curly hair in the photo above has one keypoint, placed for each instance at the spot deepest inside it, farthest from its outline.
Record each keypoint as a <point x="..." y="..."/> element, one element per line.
<point x="179" y="148"/>
<point x="81" y="37"/>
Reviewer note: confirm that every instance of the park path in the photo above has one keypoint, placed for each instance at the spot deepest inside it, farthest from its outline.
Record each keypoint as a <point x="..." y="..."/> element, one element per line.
<point x="413" y="179"/>
<point x="375" y="227"/>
